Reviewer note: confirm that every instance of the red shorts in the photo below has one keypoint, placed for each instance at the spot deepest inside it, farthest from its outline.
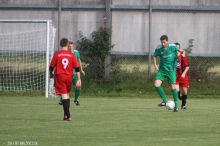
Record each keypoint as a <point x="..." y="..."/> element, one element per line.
<point x="63" y="83"/>
<point x="182" y="82"/>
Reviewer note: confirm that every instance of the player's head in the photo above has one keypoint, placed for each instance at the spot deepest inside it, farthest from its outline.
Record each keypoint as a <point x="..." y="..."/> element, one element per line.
<point x="177" y="44"/>
<point x="71" y="46"/>
<point x="164" y="41"/>
<point x="64" y="42"/>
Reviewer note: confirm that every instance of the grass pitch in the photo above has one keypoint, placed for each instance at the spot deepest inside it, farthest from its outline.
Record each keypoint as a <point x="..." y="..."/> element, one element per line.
<point x="109" y="122"/>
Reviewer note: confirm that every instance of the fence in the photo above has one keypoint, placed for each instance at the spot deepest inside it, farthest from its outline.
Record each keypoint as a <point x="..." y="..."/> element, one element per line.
<point x="136" y="28"/>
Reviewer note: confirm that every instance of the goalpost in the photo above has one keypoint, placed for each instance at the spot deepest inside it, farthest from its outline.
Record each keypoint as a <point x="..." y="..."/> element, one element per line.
<point x="26" y="49"/>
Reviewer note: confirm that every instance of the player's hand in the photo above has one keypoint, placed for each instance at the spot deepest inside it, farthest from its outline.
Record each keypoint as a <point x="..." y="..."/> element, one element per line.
<point x="83" y="72"/>
<point x="51" y="75"/>
<point x="78" y="83"/>
<point x="183" y="76"/>
<point x="156" y="68"/>
<point x="183" y="51"/>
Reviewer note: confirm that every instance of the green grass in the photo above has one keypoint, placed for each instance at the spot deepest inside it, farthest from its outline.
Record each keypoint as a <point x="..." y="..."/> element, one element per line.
<point x="109" y="122"/>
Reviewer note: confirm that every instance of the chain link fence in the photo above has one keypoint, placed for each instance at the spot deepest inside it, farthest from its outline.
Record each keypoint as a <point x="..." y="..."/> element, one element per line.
<point x="136" y="28"/>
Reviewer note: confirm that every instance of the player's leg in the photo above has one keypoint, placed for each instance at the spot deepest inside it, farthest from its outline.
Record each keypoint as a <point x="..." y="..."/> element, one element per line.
<point x="67" y="100"/>
<point x="157" y="83"/>
<point x="63" y="87"/>
<point x="172" y="81"/>
<point x="160" y="91"/>
<point x="60" y="102"/>
<point x="184" y="87"/>
<point x="178" y="82"/>
<point x="178" y="90"/>
<point x="184" y="98"/>
<point x="77" y="91"/>
<point x="66" y="106"/>
<point x="175" y="95"/>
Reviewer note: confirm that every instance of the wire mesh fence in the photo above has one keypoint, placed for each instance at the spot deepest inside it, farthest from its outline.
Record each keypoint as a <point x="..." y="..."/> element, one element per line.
<point x="136" y="28"/>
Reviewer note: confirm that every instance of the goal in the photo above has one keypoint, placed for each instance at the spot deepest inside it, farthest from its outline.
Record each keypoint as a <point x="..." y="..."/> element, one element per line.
<point x="26" y="48"/>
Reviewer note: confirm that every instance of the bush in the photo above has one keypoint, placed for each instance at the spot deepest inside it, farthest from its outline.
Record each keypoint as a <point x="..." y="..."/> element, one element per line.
<point x="199" y="66"/>
<point x="95" y="53"/>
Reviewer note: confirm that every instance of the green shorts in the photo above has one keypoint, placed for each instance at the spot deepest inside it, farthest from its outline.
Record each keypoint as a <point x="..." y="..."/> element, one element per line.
<point x="162" y="74"/>
<point x="75" y="78"/>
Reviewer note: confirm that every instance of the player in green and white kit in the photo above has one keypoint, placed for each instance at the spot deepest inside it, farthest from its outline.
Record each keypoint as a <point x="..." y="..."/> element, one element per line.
<point x="77" y="90"/>
<point x="167" y="53"/>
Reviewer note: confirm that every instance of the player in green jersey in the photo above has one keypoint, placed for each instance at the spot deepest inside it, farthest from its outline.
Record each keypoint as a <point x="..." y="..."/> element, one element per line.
<point x="167" y="52"/>
<point x="78" y="89"/>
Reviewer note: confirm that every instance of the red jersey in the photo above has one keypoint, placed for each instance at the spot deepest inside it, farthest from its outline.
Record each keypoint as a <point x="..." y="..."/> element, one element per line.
<point x="64" y="61"/>
<point x="182" y="63"/>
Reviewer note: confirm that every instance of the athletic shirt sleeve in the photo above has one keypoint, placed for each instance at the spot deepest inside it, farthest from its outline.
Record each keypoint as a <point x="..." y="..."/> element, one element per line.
<point x="177" y="48"/>
<point x="75" y="61"/>
<point x="76" y="52"/>
<point x="157" y="50"/>
<point x="186" y="61"/>
<point x="53" y="61"/>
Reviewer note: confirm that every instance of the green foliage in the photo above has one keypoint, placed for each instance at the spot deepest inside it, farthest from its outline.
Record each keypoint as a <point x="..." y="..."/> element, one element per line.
<point x="98" y="49"/>
<point x="190" y="47"/>
<point x="199" y="66"/>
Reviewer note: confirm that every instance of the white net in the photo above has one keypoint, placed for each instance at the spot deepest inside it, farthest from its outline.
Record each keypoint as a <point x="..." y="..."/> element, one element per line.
<point x="23" y="48"/>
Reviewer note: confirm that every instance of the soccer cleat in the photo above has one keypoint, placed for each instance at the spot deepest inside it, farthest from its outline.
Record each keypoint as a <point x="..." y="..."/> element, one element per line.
<point x="76" y="102"/>
<point x="60" y="103"/>
<point x="65" y="118"/>
<point x="162" y="104"/>
<point x="183" y="107"/>
<point x="175" y="109"/>
<point x="68" y="119"/>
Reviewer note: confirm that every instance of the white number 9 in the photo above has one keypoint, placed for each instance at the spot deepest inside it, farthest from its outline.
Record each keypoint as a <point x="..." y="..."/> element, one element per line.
<point x="65" y="62"/>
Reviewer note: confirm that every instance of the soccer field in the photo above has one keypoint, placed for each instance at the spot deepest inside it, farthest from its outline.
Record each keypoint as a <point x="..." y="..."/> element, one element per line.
<point x="109" y="122"/>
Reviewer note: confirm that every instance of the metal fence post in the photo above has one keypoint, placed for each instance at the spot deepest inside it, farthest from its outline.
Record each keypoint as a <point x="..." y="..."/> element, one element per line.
<point x="108" y="25"/>
<point x="150" y="27"/>
<point x="59" y="24"/>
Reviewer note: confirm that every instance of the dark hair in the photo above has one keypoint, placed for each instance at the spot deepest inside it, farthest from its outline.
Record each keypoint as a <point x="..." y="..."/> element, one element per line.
<point x="164" y="37"/>
<point x="177" y="43"/>
<point x="71" y="42"/>
<point x="64" y="42"/>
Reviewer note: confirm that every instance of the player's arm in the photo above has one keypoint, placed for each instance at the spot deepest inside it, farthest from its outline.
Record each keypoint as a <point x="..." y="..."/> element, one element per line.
<point x="180" y="50"/>
<point x="52" y="66"/>
<point x="186" y="62"/>
<point x="51" y="71"/>
<point x="81" y="68"/>
<point x="185" y="71"/>
<point x="155" y="63"/>
<point x="78" y="83"/>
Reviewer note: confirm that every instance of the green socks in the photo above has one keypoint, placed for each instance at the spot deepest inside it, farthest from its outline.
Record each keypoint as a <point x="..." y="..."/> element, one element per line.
<point x="61" y="101"/>
<point x="161" y="93"/>
<point x="175" y="97"/>
<point x="77" y="92"/>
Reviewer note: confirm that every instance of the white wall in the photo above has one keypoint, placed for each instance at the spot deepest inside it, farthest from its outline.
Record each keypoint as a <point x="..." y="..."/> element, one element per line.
<point x="131" y="27"/>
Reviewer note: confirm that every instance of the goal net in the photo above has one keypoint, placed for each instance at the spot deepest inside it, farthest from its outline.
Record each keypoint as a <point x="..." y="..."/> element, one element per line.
<point x="26" y="48"/>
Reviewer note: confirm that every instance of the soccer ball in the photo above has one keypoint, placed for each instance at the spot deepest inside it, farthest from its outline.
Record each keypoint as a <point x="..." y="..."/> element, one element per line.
<point x="170" y="105"/>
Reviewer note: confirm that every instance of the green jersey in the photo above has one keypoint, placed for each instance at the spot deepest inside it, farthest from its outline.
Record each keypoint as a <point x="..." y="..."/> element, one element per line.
<point x="168" y="57"/>
<point x="76" y="52"/>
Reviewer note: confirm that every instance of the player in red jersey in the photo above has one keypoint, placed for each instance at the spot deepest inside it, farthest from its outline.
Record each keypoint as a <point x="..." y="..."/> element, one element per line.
<point x="182" y="79"/>
<point x="64" y="62"/>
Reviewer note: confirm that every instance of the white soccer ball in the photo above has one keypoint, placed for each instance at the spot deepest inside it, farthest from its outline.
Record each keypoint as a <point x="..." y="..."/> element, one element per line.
<point x="170" y="105"/>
